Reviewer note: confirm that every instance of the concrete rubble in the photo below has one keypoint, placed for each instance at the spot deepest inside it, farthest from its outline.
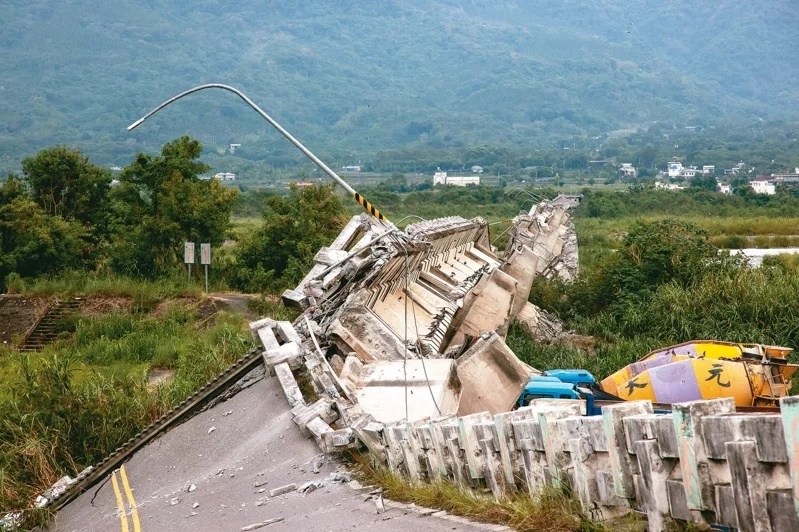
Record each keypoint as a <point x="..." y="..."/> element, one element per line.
<point x="410" y="325"/>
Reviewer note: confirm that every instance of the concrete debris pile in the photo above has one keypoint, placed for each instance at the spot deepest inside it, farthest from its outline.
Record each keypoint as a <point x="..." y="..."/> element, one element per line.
<point x="410" y="325"/>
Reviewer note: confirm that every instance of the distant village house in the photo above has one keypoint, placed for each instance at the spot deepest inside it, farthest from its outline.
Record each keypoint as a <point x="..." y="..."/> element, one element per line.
<point x="441" y="178"/>
<point x="763" y="187"/>
<point x="627" y="170"/>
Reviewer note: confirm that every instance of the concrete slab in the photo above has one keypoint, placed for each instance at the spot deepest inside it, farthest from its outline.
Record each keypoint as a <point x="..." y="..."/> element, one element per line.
<point x="383" y="388"/>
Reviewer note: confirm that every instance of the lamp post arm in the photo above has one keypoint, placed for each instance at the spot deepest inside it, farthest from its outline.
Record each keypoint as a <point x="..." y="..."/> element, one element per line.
<point x="318" y="162"/>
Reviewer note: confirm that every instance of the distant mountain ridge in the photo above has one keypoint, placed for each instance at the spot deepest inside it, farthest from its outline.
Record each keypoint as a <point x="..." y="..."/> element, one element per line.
<point x="361" y="76"/>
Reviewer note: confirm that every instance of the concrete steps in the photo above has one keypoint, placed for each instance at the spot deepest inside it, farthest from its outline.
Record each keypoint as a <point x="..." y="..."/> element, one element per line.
<point x="47" y="330"/>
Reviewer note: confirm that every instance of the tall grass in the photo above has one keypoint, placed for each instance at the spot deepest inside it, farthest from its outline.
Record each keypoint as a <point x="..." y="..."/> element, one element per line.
<point x="549" y="511"/>
<point x="145" y="293"/>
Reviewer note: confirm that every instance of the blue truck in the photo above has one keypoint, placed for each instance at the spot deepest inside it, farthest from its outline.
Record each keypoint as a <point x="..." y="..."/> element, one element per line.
<point x="562" y="384"/>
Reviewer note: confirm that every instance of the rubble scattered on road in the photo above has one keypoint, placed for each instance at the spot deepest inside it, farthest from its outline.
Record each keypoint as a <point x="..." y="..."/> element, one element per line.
<point x="310" y="486"/>
<point x="174" y="501"/>
<point x="259" y="483"/>
<point x="339" y="476"/>
<point x="255" y="526"/>
<point x="190" y="488"/>
<point x="195" y="505"/>
<point x="211" y="430"/>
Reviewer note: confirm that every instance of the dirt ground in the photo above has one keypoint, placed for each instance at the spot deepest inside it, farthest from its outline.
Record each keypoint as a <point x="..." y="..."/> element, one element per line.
<point x="18" y="314"/>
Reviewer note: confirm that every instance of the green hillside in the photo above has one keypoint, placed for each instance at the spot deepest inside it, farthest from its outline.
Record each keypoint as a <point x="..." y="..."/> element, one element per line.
<point x="350" y="78"/>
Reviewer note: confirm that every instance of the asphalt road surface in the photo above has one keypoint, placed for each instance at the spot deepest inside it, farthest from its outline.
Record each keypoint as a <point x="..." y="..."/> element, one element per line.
<point x="216" y="471"/>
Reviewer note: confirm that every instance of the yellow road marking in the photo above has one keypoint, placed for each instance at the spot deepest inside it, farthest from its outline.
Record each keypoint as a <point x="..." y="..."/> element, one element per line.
<point x="134" y="512"/>
<point x="121" y="505"/>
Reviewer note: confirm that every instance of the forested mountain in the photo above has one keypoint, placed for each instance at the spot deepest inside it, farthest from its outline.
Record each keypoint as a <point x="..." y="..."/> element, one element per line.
<point x="352" y="77"/>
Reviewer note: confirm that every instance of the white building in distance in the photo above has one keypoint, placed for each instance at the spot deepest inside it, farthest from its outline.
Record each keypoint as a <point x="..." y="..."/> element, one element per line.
<point x="763" y="187"/>
<point x="225" y="176"/>
<point x="668" y="186"/>
<point x="674" y="168"/>
<point x="627" y="170"/>
<point x="441" y="178"/>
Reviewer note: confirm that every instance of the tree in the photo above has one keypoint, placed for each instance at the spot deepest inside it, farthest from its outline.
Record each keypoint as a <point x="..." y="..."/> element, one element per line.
<point x="33" y="243"/>
<point x="160" y="203"/>
<point x="705" y="182"/>
<point x="65" y="184"/>
<point x="278" y="253"/>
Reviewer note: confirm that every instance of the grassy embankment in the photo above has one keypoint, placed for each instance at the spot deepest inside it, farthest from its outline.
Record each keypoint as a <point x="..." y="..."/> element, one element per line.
<point x="73" y="403"/>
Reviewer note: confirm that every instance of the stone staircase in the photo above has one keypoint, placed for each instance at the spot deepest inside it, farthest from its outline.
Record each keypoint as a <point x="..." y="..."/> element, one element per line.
<point x="46" y="331"/>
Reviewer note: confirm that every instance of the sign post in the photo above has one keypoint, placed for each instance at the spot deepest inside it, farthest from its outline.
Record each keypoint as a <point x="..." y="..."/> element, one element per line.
<point x="205" y="259"/>
<point x="188" y="255"/>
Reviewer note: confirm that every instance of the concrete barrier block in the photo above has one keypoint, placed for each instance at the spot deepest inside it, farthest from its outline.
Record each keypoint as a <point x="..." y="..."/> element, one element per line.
<point x="510" y="453"/>
<point x="493" y="472"/>
<point x="470" y="444"/>
<point x="416" y="445"/>
<point x="725" y="506"/>
<point x="717" y="431"/>
<point x="258" y="324"/>
<point x="289" y="384"/>
<point x="340" y="439"/>
<point x="555" y="438"/>
<point x="653" y="474"/>
<point x="766" y="430"/>
<point x="443" y="458"/>
<point x="781" y="510"/>
<point x="287" y="332"/>
<point x="696" y="474"/>
<point x="431" y="455"/>
<point x="395" y="455"/>
<point x="664" y="433"/>
<point x="606" y="491"/>
<point x="290" y="353"/>
<point x="455" y="453"/>
<point x="748" y="487"/>
<point x="267" y="337"/>
<point x="318" y="429"/>
<point x="596" y="433"/>
<point x="527" y="438"/>
<point x="323" y="408"/>
<point x="789" y="408"/>
<point x="678" y="504"/>
<point x="637" y="428"/>
<point x="622" y="464"/>
<point x="370" y="433"/>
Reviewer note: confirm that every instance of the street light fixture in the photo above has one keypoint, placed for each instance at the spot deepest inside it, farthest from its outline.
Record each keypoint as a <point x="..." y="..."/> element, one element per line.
<point x="371" y="209"/>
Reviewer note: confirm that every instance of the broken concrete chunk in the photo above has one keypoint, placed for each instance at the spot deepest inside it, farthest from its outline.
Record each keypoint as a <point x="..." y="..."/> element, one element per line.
<point x="491" y="376"/>
<point x="308" y="487"/>
<point x="340" y="476"/>
<point x="282" y="489"/>
<point x="256" y="526"/>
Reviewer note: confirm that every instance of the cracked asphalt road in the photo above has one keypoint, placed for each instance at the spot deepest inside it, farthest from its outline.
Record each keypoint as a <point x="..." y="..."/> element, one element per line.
<point x="196" y="478"/>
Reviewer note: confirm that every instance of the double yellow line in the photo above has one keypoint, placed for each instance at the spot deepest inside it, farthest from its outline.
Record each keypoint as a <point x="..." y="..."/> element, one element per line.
<point x="134" y="513"/>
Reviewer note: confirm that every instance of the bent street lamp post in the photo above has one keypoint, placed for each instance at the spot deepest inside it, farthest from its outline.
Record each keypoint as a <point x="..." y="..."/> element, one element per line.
<point x="371" y="209"/>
